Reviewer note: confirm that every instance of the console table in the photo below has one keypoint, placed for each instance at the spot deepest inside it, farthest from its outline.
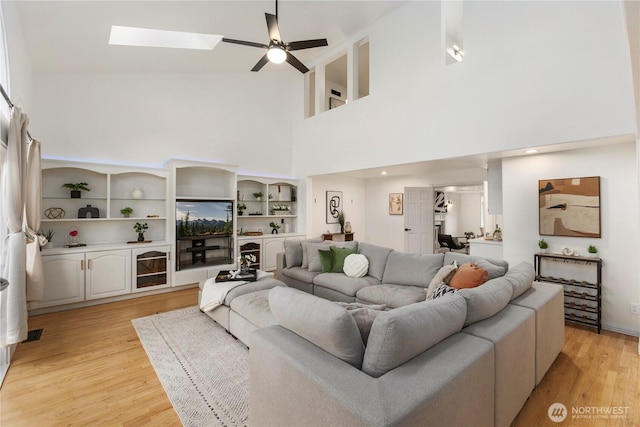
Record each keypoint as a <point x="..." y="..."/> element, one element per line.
<point x="582" y="296"/>
<point x="338" y="237"/>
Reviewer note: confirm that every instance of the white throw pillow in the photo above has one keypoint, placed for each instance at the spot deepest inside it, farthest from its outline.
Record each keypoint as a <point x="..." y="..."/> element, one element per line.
<point x="356" y="265"/>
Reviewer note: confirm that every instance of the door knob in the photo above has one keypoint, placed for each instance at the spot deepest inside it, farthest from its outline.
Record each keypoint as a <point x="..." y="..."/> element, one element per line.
<point x="407" y="229"/>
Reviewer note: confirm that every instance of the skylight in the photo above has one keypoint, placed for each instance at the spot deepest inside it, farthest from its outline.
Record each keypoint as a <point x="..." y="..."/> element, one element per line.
<point x="132" y="36"/>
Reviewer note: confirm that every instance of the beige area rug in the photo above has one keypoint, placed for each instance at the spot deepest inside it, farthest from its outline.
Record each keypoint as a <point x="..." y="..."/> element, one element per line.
<point x="202" y="368"/>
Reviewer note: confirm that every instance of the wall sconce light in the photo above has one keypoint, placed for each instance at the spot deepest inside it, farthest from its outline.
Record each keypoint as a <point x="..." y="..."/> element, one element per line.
<point x="455" y="52"/>
<point x="449" y="204"/>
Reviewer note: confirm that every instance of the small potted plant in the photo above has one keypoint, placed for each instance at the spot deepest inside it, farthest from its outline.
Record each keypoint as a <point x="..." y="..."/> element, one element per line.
<point x="126" y="211"/>
<point x="341" y="221"/>
<point x="469" y="235"/>
<point x="49" y="236"/>
<point x="241" y="208"/>
<point x="258" y="195"/>
<point x="593" y="251"/>
<point x="543" y="245"/>
<point x="76" y="187"/>
<point x="140" y="229"/>
<point x="274" y="227"/>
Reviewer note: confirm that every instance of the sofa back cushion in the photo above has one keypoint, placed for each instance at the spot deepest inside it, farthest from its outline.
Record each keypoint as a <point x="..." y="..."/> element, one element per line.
<point x="319" y="321"/>
<point x="521" y="278"/>
<point x="495" y="267"/>
<point x="401" y="334"/>
<point x="411" y="269"/>
<point x="377" y="256"/>
<point x="487" y="299"/>
<point x="293" y="251"/>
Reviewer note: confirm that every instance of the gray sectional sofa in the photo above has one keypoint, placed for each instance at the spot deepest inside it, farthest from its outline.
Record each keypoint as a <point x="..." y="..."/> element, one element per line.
<point x="470" y="358"/>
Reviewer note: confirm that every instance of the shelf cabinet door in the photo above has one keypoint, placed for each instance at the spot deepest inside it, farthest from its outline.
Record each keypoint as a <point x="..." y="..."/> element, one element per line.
<point x="108" y="273"/>
<point x="271" y="249"/>
<point x="63" y="280"/>
<point x="151" y="268"/>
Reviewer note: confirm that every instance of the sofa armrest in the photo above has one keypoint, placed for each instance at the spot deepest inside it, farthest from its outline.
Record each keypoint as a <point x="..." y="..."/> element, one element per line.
<point x="281" y="261"/>
<point x="293" y="382"/>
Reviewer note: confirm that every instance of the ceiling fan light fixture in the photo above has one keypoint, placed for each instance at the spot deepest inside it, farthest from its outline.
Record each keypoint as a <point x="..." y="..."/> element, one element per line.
<point x="276" y="54"/>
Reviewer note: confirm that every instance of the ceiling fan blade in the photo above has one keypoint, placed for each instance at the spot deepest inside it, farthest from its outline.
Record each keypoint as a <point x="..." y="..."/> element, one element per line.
<point x="245" y="43"/>
<point x="294" y="61"/>
<point x="260" y="63"/>
<point x="272" y="26"/>
<point x="306" y="44"/>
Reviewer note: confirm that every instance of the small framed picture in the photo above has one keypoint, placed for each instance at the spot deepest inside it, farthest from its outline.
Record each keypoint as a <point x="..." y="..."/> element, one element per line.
<point x="395" y="203"/>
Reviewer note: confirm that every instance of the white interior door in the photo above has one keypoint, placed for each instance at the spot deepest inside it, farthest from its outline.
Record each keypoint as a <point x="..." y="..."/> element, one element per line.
<point x="418" y="220"/>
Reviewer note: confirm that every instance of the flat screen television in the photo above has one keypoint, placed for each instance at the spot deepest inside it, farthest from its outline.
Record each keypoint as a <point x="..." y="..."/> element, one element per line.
<point x="203" y="217"/>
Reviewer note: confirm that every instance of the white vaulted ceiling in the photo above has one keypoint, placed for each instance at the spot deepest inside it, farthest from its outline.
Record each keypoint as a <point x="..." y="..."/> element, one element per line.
<point x="72" y="35"/>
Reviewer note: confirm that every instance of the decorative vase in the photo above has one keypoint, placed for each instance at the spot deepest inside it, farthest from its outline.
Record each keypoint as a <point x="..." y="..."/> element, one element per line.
<point x="75" y="194"/>
<point x="137" y="194"/>
<point x="126" y="215"/>
<point x="140" y="237"/>
<point x="274" y="231"/>
<point x="347" y="227"/>
<point x="244" y="268"/>
<point x="240" y="213"/>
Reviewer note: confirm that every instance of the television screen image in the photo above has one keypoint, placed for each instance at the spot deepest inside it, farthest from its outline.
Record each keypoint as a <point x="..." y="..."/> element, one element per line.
<point x="203" y="217"/>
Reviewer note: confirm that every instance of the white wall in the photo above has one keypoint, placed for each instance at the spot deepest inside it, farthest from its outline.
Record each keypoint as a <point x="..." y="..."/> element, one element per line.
<point x="242" y="118"/>
<point x="20" y="73"/>
<point x="618" y="247"/>
<point x="354" y="207"/>
<point x="520" y="85"/>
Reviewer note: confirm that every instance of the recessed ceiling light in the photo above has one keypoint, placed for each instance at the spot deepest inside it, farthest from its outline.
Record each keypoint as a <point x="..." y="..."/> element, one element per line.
<point x="531" y="151"/>
<point x="132" y="36"/>
<point x="383" y="173"/>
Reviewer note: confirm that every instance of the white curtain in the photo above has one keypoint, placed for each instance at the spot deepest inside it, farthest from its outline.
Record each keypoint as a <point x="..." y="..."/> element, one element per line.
<point x="32" y="202"/>
<point x="13" y="327"/>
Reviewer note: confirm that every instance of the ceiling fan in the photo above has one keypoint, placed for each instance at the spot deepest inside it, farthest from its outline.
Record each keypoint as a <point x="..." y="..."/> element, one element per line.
<point x="277" y="50"/>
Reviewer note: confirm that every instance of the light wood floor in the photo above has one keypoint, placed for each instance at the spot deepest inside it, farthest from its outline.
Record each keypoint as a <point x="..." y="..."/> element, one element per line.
<point x="89" y="369"/>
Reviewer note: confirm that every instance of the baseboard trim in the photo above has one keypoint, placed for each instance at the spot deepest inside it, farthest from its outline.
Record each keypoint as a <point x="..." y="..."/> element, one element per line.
<point x="621" y="329"/>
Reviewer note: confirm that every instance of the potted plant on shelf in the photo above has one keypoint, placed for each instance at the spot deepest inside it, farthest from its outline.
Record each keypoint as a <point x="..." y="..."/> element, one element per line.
<point x="49" y="236"/>
<point x="341" y="221"/>
<point x="241" y="208"/>
<point x="140" y="229"/>
<point x="126" y="211"/>
<point x="258" y="195"/>
<point x="76" y="187"/>
<point x="593" y="251"/>
<point x="274" y="227"/>
<point x="543" y="245"/>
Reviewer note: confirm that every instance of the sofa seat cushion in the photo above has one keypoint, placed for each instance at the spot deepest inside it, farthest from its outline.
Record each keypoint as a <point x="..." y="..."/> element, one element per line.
<point x="487" y="299"/>
<point x="299" y="273"/>
<point x="342" y="283"/>
<point x="377" y="256"/>
<point x="250" y="287"/>
<point x="319" y="321"/>
<point x="393" y="296"/>
<point x="495" y="267"/>
<point x="255" y="308"/>
<point x="411" y="269"/>
<point x="399" y="335"/>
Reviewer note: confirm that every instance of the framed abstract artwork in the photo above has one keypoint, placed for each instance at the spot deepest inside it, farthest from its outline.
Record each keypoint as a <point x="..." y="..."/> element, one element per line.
<point x="334" y="206"/>
<point x="395" y="203"/>
<point x="569" y="207"/>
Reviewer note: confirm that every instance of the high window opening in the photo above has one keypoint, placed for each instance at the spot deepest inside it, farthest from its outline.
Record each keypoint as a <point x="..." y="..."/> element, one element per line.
<point x="363" y="69"/>
<point x="336" y="84"/>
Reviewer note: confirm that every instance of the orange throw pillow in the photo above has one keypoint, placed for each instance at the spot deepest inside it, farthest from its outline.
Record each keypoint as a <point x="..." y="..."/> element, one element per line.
<point x="468" y="276"/>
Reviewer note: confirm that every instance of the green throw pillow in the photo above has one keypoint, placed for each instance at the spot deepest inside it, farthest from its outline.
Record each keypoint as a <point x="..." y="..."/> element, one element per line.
<point x="326" y="260"/>
<point x="338" y="256"/>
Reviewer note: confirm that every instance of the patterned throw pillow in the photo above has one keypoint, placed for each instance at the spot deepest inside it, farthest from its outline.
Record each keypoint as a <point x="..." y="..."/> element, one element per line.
<point x="442" y="290"/>
<point x="356" y="265"/>
<point x="443" y="275"/>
